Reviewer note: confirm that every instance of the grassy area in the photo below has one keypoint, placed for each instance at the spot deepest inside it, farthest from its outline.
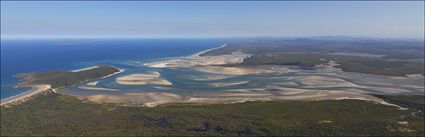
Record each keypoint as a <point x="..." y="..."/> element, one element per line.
<point x="55" y="114"/>
<point x="64" y="78"/>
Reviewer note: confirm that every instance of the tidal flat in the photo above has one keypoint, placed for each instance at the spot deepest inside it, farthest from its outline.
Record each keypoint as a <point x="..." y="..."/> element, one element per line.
<point x="202" y="94"/>
<point x="216" y="79"/>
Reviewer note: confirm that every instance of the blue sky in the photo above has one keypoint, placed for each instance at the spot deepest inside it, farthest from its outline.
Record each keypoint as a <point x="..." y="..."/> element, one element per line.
<point x="211" y="19"/>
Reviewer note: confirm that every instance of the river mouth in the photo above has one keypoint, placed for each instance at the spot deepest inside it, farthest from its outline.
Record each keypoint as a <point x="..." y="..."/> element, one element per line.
<point x="185" y="81"/>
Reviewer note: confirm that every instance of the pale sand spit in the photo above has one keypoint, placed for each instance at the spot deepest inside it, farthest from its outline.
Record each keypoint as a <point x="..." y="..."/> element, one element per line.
<point x="224" y="84"/>
<point x="97" y="88"/>
<point x="94" y="83"/>
<point x="205" y="51"/>
<point x="157" y="98"/>
<point x="37" y="89"/>
<point x="322" y="81"/>
<point x="142" y="79"/>
<point x="228" y="70"/>
<point x="82" y="69"/>
<point x="148" y="99"/>
<point x="195" y="60"/>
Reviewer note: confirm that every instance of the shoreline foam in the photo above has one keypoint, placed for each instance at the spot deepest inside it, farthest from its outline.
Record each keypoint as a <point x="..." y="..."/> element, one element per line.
<point x="37" y="89"/>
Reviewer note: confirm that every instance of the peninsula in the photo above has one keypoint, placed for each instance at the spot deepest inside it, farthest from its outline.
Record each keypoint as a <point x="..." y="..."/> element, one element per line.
<point x="44" y="81"/>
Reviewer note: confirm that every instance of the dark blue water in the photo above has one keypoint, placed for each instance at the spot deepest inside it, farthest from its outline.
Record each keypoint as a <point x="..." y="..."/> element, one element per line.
<point x="23" y="56"/>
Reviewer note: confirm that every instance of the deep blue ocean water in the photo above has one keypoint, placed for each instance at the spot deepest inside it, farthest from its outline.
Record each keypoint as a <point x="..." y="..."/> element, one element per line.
<point x="24" y="56"/>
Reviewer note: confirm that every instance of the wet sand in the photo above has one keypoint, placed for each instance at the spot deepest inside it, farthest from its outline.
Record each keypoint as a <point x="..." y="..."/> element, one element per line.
<point x="322" y="81"/>
<point x="227" y="70"/>
<point x="236" y="96"/>
<point x="224" y="84"/>
<point x="152" y="99"/>
<point x="195" y="60"/>
<point x="94" y="83"/>
<point x="37" y="89"/>
<point x="97" y="88"/>
<point x="326" y="82"/>
<point x="142" y="79"/>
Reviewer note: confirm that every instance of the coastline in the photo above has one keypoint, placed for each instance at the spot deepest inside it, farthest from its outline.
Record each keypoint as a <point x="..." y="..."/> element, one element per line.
<point x="120" y="70"/>
<point x="86" y="68"/>
<point x="207" y="50"/>
<point x="153" y="99"/>
<point x="142" y="79"/>
<point x="36" y="89"/>
<point x="210" y="64"/>
<point x="39" y="88"/>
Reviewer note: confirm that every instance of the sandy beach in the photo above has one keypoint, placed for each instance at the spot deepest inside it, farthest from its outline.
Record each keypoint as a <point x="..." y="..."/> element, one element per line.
<point x="210" y="64"/>
<point x="97" y="88"/>
<point x="94" y="83"/>
<point x="205" y="51"/>
<point x="120" y="70"/>
<point x="37" y="89"/>
<point x="142" y="79"/>
<point x="227" y="70"/>
<point x="196" y="60"/>
<point x="224" y="84"/>
<point x="148" y="99"/>
<point x="82" y="69"/>
<point x="326" y="76"/>
<point x="292" y="94"/>
<point x="324" y="83"/>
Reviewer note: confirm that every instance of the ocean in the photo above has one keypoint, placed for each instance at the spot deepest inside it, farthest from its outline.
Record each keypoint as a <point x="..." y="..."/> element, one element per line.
<point x="41" y="55"/>
<point x="25" y="56"/>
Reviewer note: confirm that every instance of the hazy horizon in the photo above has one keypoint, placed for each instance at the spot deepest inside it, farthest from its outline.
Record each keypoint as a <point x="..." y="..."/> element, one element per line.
<point x="133" y="19"/>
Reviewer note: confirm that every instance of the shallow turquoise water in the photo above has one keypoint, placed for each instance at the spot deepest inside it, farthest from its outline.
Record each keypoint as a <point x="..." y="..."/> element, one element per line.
<point x="24" y="56"/>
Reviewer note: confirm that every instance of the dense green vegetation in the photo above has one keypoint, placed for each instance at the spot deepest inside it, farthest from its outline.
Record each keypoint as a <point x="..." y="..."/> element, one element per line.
<point x="55" y="114"/>
<point x="310" y="52"/>
<point x="65" y="78"/>
<point x="395" y="49"/>
<point x="309" y="60"/>
<point x="417" y="102"/>
<point x="370" y="65"/>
